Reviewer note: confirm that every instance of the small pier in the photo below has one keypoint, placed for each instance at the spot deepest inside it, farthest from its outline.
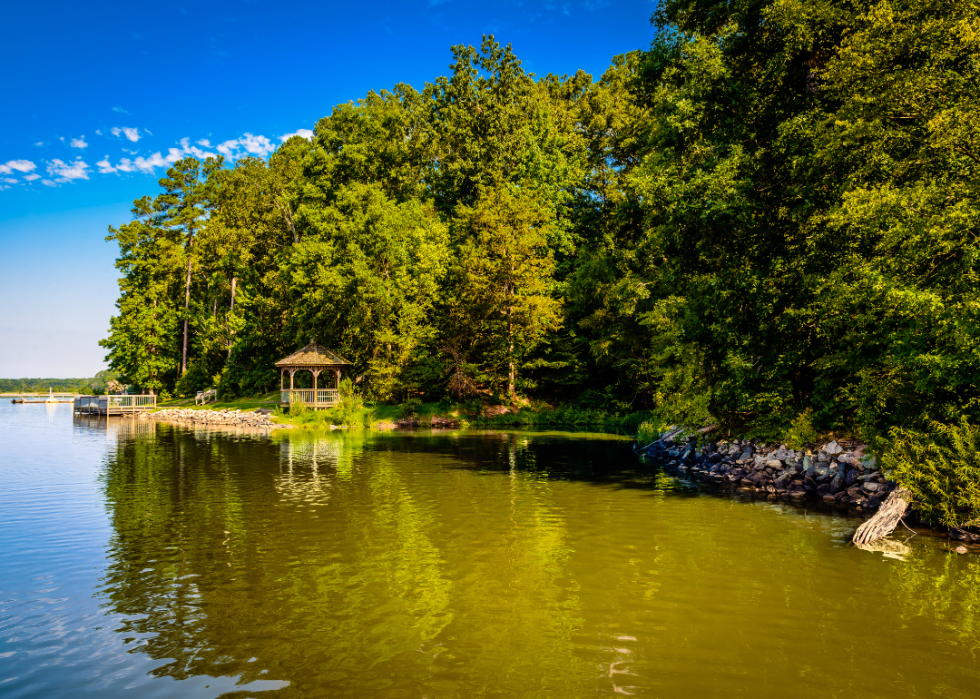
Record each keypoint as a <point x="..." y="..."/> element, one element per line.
<point x="40" y="397"/>
<point x="114" y="405"/>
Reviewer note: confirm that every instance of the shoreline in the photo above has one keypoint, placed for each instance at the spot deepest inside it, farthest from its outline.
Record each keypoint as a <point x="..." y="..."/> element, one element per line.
<point x="842" y="476"/>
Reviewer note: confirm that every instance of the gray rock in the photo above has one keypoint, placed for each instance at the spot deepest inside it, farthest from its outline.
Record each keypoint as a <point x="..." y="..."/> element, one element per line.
<point x="833" y="448"/>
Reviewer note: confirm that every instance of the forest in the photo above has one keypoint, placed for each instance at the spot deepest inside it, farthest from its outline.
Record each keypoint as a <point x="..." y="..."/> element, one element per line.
<point x="97" y="384"/>
<point x="767" y="219"/>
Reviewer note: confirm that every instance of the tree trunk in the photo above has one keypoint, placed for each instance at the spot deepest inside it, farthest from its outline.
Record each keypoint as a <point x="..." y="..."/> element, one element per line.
<point x="511" y="372"/>
<point x="510" y="345"/>
<point x="234" y="284"/>
<point x="187" y="299"/>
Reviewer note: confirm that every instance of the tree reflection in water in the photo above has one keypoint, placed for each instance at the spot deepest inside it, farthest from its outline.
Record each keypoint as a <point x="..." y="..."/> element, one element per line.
<point x="494" y="564"/>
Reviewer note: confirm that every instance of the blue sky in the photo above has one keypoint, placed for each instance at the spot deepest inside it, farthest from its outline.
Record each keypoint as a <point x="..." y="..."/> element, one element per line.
<point x="99" y="99"/>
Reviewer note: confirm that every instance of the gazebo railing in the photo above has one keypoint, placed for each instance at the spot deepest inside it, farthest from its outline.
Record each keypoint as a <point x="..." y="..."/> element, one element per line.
<point x="323" y="396"/>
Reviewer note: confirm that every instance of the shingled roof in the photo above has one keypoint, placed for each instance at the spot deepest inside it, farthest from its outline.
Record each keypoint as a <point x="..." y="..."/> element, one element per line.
<point x="312" y="355"/>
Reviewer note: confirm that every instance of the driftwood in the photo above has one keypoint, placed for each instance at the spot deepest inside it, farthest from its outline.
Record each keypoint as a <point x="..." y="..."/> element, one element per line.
<point x="887" y="518"/>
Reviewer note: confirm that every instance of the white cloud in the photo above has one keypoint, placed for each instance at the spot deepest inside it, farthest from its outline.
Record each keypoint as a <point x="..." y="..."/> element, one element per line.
<point x="253" y="145"/>
<point x="305" y="133"/>
<point x="130" y="133"/>
<point x="105" y="167"/>
<point x="248" y="144"/>
<point x="49" y="183"/>
<point x="79" y="143"/>
<point x="18" y="165"/>
<point x="227" y="148"/>
<point x="33" y="176"/>
<point x="188" y="149"/>
<point x="39" y="143"/>
<point x="257" y="145"/>
<point x="98" y="132"/>
<point x="66" y="172"/>
<point x="120" y="110"/>
<point x="149" y="164"/>
<point x="11" y="180"/>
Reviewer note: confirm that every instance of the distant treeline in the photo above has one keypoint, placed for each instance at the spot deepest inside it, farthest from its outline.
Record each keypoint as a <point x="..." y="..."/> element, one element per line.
<point x="96" y="384"/>
<point x="769" y="219"/>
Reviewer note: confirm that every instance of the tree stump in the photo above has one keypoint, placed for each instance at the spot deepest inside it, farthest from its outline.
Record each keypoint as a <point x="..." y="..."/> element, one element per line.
<point x="886" y="519"/>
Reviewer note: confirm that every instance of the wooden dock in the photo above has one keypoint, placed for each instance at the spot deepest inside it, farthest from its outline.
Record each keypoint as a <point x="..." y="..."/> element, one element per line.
<point x="114" y="405"/>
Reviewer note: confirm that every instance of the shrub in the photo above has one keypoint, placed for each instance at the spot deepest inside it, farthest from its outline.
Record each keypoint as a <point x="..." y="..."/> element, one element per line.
<point x="647" y="433"/>
<point x="298" y="407"/>
<point x="801" y="431"/>
<point x="350" y="410"/>
<point x="941" y="467"/>
<point x="193" y="380"/>
<point x="410" y="408"/>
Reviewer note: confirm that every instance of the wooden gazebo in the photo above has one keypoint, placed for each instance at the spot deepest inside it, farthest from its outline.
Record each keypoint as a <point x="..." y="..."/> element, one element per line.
<point x="315" y="359"/>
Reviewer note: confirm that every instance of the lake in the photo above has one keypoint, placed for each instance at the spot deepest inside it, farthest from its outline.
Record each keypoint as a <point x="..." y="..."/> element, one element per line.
<point x="147" y="560"/>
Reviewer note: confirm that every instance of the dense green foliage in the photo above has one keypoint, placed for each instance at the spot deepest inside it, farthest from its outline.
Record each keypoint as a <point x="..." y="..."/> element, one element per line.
<point x="769" y="219"/>
<point x="941" y="466"/>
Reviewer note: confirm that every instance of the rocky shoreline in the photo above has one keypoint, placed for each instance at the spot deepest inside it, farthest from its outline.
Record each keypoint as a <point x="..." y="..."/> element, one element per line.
<point x="234" y="418"/>
<point x="839" y="474"/>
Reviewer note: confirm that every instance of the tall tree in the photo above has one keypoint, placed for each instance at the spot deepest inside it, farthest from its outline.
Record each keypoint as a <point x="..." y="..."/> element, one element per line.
<point x="184" y="206"/>
<point x="142" y="336"/>
<point x="504" y="273"/>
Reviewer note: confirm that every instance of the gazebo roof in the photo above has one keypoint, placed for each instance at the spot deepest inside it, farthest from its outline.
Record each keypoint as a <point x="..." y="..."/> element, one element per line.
<point x="312" y="355"/>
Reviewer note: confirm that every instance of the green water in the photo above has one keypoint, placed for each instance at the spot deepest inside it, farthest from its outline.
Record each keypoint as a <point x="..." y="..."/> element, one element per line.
<point x="144" y="560"/>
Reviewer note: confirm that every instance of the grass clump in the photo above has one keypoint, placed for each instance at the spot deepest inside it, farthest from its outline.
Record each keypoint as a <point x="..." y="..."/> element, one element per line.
<point x="349" y="411"/>
<point x="568" y="416"/>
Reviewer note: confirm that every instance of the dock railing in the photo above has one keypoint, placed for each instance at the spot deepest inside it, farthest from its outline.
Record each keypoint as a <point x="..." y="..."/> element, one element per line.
<point x="114" y="405"/>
